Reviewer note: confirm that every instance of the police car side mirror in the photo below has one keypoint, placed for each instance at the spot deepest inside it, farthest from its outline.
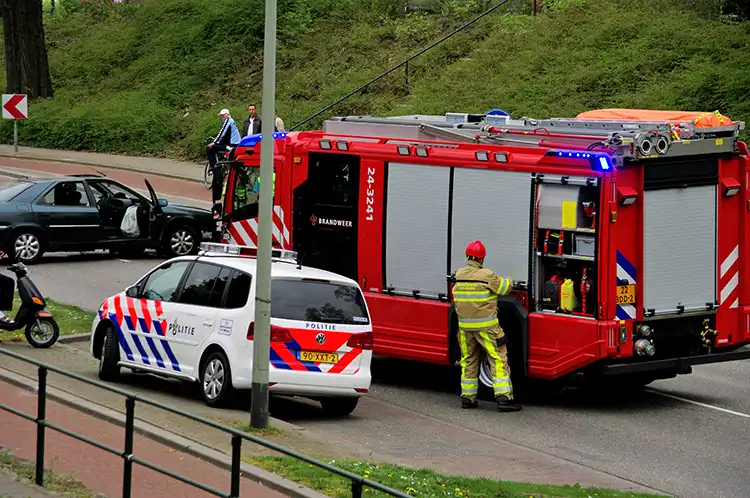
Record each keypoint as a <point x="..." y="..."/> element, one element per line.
<point x="132" y="291"/>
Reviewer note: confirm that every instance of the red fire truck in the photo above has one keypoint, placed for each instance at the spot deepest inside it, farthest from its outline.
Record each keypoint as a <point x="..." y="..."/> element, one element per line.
<point x="627" y="231"/>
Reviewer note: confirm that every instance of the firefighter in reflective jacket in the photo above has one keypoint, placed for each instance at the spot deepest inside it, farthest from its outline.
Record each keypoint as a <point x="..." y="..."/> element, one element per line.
<point x="475" y="296"/>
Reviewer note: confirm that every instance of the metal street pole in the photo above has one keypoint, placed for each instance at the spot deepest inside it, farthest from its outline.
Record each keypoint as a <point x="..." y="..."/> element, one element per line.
<point x="262" y="340"/>
<point x="15" y="136"/>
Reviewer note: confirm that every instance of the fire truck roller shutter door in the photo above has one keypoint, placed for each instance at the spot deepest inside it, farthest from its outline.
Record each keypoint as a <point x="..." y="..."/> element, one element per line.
<point x="417" y="228"/>
<point x="492" y="206"/>
<point x="679" y="246"/>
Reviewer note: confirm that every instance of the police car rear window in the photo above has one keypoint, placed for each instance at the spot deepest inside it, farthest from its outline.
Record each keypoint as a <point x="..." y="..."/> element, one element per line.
<point x="318" y="301"/>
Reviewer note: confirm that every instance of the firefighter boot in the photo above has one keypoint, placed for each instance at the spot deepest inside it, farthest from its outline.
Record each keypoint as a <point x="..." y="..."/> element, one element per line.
<point x="506" y="405"/>
<point x="468" y="403"/>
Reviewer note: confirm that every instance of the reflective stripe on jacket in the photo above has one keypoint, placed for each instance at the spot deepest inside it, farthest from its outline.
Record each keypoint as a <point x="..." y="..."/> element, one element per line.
<point x="475" y="296"/>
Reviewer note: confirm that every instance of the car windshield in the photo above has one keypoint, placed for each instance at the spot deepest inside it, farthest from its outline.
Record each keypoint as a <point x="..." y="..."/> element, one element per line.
<point x="11" y="189"/>
<point x="318" y="301"/>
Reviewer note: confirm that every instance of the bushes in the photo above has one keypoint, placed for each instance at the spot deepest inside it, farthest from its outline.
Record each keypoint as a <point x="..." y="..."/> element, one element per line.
<point x="152" y="81"/>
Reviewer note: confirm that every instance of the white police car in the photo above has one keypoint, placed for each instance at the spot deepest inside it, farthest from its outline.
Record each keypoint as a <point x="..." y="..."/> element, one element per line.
<point x="191" y="318"/>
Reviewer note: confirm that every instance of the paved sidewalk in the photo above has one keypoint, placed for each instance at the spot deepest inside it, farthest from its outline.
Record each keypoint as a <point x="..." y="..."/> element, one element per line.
<point x="99" y="471"/>
<point x="13" y="488"/>
<point x="162" y="167"/>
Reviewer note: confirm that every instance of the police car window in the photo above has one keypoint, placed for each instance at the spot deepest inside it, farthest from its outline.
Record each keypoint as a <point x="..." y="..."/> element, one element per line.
<point x="317" y="301"/>
<point x="162" y="283"/>
<point x="200" y="284"/>
<point x="239" y="290"/>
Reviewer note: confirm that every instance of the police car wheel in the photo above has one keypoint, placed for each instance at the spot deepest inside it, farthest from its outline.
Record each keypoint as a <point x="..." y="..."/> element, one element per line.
<point x="215" y="379"/>
<point x="339" y="407"/>
<point x="109" y="356"/>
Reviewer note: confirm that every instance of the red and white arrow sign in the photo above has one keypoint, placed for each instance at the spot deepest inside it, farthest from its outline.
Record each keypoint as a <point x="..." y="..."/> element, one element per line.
<point x="15" y="106"/>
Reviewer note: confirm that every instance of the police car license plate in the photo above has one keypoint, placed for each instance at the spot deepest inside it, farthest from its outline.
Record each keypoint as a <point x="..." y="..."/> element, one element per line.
<point x="625" y="294"/>
<point x="318" y="357"/>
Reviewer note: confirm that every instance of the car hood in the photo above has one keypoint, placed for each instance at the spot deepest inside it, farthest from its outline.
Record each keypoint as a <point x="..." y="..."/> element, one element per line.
<point x="188" y="210"/>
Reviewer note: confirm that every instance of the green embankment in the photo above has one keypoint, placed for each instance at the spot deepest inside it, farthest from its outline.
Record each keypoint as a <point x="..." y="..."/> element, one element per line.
<point x="151" y="79"/>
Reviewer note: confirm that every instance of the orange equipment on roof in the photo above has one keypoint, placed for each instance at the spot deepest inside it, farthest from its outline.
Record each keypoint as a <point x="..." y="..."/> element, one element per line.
<point x="699" y="119"/>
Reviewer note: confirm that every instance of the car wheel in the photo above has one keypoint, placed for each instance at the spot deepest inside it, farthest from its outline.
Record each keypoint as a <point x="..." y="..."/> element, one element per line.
<point x="109" y="370"/>
<point x="339" y="407"/>
<point x="27" y="247"/>
<point x="181" y="241"/>
<point x="216" y="379"/>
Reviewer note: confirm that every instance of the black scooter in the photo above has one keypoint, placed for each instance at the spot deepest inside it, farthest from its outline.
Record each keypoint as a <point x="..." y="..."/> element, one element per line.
<point x="42" y="330"/>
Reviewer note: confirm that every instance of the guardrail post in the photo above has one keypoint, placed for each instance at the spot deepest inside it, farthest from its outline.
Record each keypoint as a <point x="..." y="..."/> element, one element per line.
<point x="356" y="489"/>
<point x="236" y="461"/>
<point x="40" y="417"/>
<point x="127" y="473"/>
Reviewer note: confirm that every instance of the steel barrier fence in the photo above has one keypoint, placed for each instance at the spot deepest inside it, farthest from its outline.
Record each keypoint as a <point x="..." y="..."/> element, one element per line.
<point x="358" y="483"/>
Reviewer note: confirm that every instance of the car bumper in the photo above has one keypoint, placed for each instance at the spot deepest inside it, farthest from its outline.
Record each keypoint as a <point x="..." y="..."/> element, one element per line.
<point x="681" y="365"/>
<point x="305" y="383"/>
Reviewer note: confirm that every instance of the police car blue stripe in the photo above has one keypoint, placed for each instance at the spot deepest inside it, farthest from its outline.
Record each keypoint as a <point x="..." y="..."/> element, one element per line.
<point x="170" y="354"/>
<point x="155" y="350"/>
<point x="121" y="337"/>
<point x="137" y="342"/>
<point x="278" y="362"/>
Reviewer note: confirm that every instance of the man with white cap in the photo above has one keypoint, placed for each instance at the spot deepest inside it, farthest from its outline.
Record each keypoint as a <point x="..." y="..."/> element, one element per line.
<point x="229" y="136"/>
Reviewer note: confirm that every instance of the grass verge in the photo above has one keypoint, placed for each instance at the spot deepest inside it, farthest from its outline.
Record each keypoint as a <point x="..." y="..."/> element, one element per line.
<point x="245" y="427"/>
<point x="420" y="482"/>
<point x="70" y="318"/>
<point x="64" y="485"/>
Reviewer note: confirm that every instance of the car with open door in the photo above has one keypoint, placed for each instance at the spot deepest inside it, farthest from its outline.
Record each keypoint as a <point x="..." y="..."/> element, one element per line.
<point x="83" y="213"/>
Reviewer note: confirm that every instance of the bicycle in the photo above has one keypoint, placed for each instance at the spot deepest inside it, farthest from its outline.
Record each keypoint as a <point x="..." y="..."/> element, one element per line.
<point x="208" y="172"/>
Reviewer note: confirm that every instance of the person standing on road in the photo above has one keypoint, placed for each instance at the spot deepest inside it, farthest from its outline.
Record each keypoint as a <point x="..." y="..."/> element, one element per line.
<point x="278" y="124"/>
<point x="475" y="295"/>
<point x="252" y="123"/>
<point x="229" y="136"/>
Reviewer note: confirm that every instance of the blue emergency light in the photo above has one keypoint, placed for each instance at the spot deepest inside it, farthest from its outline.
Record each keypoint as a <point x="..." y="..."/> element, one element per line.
<point x="598" y="162"/>
<point x="253" y="140"/>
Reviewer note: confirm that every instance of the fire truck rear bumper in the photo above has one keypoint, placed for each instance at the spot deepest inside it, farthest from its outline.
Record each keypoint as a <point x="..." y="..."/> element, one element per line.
<point x="681" y="365"/>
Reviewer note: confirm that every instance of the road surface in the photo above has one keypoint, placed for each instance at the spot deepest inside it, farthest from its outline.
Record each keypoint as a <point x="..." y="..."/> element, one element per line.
<point x="688" y="436"/>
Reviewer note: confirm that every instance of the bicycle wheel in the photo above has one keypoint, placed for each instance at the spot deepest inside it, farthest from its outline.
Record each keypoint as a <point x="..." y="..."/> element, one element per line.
<point x="207" y="176"/>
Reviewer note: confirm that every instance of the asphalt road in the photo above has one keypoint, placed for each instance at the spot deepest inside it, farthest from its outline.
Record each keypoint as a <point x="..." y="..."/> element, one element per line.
<point x="687" y="436"/>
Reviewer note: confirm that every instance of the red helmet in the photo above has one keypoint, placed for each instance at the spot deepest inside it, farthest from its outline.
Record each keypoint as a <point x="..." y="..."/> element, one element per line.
<point x="476" y="249"/>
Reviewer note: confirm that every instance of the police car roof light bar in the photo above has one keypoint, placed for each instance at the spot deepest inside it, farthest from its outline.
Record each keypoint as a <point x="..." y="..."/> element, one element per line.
<point x="217" y="248"/>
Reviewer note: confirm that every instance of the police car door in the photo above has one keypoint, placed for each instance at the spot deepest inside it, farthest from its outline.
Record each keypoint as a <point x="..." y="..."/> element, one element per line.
<point x="144" y="317"/>
<point x="194" y="313"/>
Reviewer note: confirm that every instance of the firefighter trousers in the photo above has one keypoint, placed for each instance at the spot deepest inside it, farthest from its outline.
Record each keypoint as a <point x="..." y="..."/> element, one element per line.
<point x="492" y="340"/>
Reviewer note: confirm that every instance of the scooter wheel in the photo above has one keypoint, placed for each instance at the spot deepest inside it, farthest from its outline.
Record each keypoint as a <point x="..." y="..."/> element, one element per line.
<point x="42" y="333"/>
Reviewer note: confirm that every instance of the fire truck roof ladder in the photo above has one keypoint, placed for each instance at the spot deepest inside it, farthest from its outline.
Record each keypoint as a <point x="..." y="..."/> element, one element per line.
<point x="629" y="139"/>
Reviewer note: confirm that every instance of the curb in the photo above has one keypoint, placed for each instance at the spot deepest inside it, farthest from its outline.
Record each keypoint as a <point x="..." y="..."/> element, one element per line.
<point x="85" y="162"/>
<point x="71" y="338"/>
<point x="193" y="448"/>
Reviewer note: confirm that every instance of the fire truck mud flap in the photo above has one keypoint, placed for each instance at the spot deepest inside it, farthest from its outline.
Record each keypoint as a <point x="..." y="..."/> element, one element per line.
<point x="672" y="366"/>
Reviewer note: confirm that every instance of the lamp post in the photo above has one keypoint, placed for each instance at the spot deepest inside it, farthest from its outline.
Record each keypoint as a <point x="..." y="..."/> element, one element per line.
<point x="262" y="338"/>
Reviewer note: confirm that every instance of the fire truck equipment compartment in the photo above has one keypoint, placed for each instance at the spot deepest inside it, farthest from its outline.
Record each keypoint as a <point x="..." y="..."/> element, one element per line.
<point x="416" y="231"/>
<point x="584" y="245"/>
<point x="492" y="206"/>
<point x="558" y="206"/>
<point x="679" y="249"/>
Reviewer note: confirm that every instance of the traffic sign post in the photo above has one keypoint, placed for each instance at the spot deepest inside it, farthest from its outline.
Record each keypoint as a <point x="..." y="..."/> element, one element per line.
<point x="15" y="107"/>
<point x="262" y="339"/>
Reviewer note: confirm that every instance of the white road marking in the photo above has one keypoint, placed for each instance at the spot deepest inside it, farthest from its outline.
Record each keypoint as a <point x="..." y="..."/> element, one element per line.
<point x="698" y="403"/>
<point x="124" y="260"/>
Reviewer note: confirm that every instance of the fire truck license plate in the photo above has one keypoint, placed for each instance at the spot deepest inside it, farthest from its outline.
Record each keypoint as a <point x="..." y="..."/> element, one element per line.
<point x="626" y="294"/>
<point x="318" y="357"/>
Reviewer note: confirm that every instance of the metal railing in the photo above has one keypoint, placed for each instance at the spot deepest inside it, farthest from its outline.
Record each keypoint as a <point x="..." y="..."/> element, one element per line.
<point x="404" y="63"/>
<point x="358" y="483"/>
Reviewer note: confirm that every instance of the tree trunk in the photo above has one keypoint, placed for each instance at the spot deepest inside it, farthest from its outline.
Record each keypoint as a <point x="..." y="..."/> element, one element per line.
<point x="26" y="66"/>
